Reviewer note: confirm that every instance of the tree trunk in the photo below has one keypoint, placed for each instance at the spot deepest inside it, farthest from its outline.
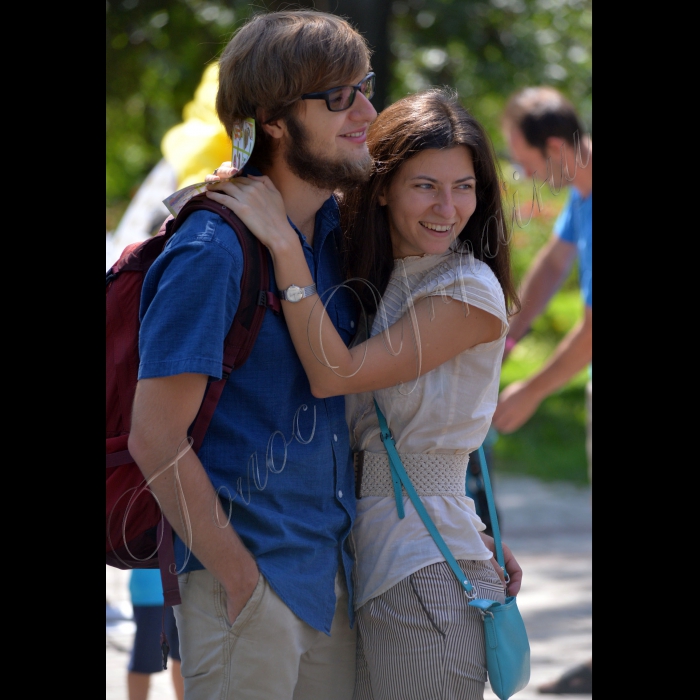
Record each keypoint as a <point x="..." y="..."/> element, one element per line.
<point x="371" y="19"/>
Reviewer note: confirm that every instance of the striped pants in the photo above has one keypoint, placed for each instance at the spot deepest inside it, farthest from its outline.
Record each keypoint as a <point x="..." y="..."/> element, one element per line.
<point x="421" y="641"/>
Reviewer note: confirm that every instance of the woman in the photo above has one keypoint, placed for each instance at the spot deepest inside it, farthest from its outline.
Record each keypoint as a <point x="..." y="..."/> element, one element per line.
<point x="426" y="234"/>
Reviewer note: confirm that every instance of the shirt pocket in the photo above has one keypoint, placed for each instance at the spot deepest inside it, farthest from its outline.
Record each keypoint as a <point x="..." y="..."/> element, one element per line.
<point x="344" y="316"/>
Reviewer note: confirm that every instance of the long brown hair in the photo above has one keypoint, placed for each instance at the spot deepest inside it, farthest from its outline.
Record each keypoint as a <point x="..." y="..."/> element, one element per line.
<point x="430" y="119"/>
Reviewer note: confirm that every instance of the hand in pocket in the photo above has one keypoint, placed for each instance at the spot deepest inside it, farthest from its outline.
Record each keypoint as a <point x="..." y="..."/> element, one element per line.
<point x="240" y="593"/>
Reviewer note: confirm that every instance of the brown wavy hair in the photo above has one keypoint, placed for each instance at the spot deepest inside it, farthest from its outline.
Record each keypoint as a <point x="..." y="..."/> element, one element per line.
<point x="275" y="58"/>
<point x="430" y="119"/>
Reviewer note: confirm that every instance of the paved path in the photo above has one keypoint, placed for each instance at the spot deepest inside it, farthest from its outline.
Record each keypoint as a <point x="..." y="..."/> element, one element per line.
<point x="548" y="527"/>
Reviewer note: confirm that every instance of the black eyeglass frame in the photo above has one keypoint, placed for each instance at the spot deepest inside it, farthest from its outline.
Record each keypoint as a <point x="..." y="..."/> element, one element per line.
<point x="325" y="95"/>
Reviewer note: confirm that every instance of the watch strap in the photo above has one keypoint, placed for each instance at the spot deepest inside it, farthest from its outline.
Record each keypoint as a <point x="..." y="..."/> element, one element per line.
<point x="305" y="291"/>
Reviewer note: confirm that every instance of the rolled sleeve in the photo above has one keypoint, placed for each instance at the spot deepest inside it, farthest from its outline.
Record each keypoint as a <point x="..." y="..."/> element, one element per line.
<point x="189" y="299"/>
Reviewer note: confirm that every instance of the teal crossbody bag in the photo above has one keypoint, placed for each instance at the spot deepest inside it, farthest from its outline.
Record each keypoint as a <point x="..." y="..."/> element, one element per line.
<point x="505" y="636"/>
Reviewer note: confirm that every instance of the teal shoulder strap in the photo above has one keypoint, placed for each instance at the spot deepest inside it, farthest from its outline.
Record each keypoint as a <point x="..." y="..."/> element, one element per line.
<point x="398" y="473"/>
<point x="399" y="476"/>
<point x="492" y="512"/>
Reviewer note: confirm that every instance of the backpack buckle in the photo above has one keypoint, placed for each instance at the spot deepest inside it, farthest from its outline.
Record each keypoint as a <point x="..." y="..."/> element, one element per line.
<point x="269" y="301"/>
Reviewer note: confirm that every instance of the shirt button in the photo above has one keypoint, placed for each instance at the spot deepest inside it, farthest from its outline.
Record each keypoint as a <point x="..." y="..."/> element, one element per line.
<point x="340" y="494"/>
<point x="352" y="324"/>
<point x="335" y="437"/>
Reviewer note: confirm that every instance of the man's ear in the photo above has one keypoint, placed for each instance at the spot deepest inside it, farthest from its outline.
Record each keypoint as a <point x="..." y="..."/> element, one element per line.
<point x="554" y="145"/>
<point x="275" y="129"/>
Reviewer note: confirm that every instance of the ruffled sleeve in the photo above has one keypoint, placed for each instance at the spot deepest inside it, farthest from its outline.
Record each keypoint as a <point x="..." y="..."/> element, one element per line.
<point x="462" y="277"/>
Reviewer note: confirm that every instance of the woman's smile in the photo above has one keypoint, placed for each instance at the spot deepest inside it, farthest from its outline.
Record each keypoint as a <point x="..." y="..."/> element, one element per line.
<point x="430" y="200"/>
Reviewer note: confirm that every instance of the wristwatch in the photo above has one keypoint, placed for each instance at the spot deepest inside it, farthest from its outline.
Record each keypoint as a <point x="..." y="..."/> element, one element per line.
<point x="295" y="293"/>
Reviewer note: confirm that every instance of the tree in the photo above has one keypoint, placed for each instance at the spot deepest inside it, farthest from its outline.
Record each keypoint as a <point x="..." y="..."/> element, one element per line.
<point x="158" y="49"/>
<point x="486" y="49"/>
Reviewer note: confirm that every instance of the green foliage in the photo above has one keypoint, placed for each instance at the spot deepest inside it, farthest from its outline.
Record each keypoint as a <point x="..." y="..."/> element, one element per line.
<point x="156" y="53"/>
<point x="551" y="445"/>
<point x="158" y="49"/>
<point x="486" y="49"/>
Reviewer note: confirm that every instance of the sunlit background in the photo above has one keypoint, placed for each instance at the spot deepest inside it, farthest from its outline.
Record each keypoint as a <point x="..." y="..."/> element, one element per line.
<point x="157" y="51"/>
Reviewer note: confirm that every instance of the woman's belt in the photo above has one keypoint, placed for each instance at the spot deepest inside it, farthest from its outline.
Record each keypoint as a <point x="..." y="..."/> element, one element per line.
<point x="431" y="474"/>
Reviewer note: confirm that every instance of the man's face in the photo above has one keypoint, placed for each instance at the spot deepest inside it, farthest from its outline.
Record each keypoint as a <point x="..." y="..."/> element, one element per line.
<point x="530" y="159"/>
<point x="329" y="149"/>
<point x="551" y="167"/>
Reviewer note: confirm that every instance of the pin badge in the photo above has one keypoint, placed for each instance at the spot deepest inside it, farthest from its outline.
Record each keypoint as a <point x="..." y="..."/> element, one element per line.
<point x="243" y="142"/>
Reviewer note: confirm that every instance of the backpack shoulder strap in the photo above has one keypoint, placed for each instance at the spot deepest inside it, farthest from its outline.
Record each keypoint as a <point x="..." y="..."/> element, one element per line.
<point x="256" y="297"/>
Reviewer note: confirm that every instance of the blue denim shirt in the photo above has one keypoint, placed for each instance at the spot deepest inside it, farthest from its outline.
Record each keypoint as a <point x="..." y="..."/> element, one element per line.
<point x="279" y="458"/>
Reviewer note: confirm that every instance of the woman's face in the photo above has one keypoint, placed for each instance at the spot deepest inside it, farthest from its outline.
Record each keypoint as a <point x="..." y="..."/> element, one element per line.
<point x="430" y="200"/>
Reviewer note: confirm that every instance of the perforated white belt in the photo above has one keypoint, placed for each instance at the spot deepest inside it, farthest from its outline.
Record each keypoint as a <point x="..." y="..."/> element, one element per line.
<point x="430" y="474"/>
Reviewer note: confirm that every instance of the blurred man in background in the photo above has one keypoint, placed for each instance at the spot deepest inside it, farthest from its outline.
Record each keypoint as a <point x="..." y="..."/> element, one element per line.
<point x="546" y="138"/>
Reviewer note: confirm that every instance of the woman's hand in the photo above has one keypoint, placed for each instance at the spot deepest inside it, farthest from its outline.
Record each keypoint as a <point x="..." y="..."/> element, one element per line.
<point x="258" y="203"/>
<point x="224" y="172"/>
<point x="512" y="567"/>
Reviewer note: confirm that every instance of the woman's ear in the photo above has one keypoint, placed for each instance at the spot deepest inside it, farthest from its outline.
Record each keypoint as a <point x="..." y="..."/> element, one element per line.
<point x="382" y="199"/>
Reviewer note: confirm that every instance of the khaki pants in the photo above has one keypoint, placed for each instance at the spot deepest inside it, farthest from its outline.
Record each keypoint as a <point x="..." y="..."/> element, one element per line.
<point x="267" y="654"/>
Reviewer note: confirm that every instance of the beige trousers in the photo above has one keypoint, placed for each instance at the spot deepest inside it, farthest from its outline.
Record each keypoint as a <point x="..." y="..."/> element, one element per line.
<point x="267" y="654"/>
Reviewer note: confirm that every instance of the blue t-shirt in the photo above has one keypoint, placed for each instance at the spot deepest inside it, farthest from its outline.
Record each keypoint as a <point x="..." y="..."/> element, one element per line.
<point x="279" y="458"/>
<point x="575" y="225"/>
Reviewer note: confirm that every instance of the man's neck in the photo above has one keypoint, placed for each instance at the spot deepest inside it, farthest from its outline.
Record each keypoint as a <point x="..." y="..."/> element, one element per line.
<point x="301" y="200"/>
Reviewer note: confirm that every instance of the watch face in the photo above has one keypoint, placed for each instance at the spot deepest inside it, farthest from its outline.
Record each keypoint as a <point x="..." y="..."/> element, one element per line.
<point x="294" y="293"/>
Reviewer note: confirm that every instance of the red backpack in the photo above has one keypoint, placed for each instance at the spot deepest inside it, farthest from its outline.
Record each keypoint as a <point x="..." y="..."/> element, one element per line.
<point x="144" y="540"/>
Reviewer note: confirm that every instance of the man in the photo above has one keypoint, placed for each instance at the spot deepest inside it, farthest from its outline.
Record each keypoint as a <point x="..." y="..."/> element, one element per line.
<point x="266" y="577"/>
<point x="546" y="137"/>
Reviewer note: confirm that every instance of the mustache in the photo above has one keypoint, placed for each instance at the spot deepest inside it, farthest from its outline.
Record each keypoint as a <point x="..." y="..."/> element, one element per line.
<point x="323" y="173"/>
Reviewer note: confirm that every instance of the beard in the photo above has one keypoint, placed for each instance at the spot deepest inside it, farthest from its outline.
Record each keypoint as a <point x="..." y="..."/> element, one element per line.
<point x="322" y="173"/>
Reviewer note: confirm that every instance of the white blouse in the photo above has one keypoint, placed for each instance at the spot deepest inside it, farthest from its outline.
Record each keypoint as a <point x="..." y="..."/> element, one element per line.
<point x="446" y="411"/>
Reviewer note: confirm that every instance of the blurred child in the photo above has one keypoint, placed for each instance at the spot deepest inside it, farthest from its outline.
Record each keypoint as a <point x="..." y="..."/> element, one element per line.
<point x="146" y="657"/>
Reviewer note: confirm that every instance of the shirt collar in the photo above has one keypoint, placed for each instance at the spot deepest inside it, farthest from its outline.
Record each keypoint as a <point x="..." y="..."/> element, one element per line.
<point x="327" y="217"/>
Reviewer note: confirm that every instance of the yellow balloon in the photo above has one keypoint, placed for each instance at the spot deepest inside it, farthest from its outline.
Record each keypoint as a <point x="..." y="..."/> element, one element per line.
<point x="199" y="143"/>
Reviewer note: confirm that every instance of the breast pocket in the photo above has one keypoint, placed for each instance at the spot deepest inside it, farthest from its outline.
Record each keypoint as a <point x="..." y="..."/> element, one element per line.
<point x="344" y="315"/>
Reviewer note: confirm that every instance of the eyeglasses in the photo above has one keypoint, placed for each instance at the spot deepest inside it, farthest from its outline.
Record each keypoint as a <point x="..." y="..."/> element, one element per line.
<point x="341" y="98"/>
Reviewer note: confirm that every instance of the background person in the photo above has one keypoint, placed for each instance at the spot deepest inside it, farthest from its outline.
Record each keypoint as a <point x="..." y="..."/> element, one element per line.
<point x="543" y="133"/>
<point x="146" y="592"/>
<point x="547" y="139"/>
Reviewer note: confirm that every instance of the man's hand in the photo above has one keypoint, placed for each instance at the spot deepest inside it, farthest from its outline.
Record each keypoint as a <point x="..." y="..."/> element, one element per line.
<point x="512" y="567"/>
<point x="163" y="409"/>
<point x="237" y="596"/>
<point x="516" y="405"/>
<point x="520" y="400"/>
